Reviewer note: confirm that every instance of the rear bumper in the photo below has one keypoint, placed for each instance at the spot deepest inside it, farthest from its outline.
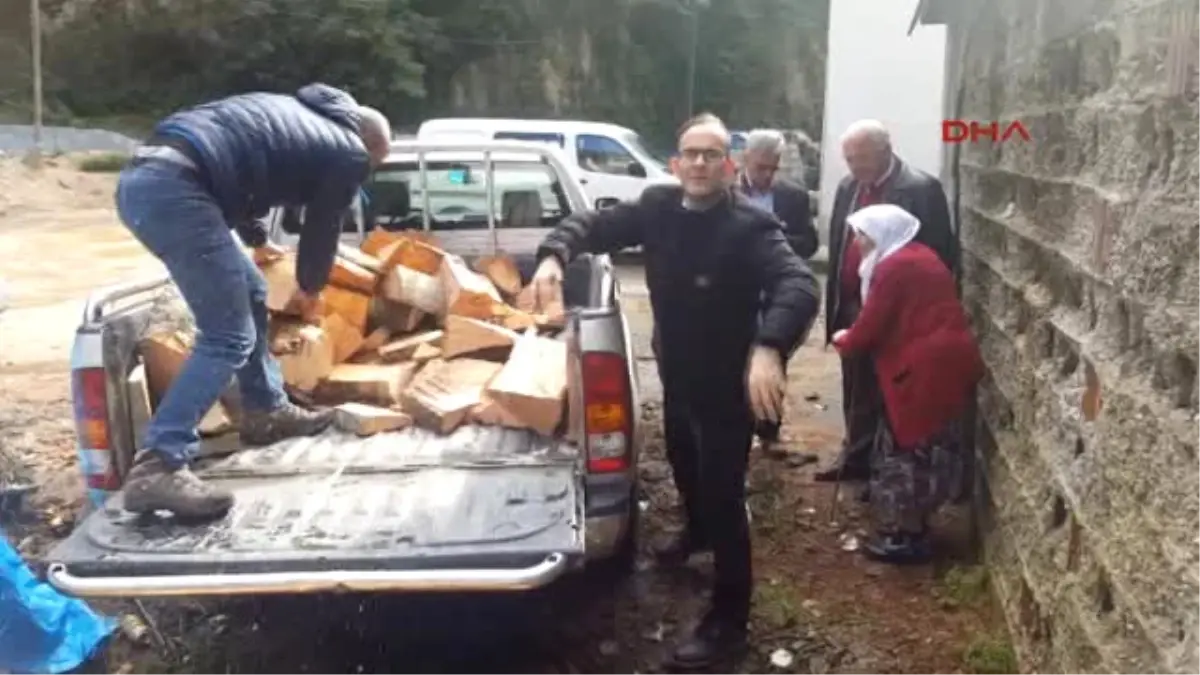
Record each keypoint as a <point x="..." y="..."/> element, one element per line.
<point x="605" y="534"/>
<point x="457" y="580"/>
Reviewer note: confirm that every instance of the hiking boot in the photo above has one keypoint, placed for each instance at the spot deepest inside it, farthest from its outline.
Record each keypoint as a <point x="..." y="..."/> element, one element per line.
<point x="714" y="640"/>
<point x="154" y="486"/>
<point x="286" y="421"/>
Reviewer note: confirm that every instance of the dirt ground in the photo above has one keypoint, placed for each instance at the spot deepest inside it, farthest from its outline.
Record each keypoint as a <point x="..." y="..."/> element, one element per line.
<point x="820" y="607"/>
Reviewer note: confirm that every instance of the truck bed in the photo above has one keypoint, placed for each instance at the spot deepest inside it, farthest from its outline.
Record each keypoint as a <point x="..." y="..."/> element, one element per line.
<point x="479" y="498"/>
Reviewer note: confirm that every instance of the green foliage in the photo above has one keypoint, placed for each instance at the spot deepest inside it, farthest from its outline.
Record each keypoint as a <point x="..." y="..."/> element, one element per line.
<point x="105" y="162"/>
<point x="991" y="656"/>
<point x="620" y="60"/>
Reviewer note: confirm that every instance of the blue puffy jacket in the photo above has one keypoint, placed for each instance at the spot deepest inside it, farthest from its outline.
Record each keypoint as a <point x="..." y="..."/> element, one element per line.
<point x="263" y="150"/>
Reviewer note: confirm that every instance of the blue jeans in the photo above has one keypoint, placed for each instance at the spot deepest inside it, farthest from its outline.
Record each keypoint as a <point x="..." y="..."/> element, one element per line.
<point x="174" y="217"/>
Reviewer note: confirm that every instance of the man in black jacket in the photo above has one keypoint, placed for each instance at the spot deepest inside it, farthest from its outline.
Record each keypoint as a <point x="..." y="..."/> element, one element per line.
<point x="877" y="176"/>
<point x="760" y="183"/>
<point x="206" y="170"/>
<point x="709" y="257"/>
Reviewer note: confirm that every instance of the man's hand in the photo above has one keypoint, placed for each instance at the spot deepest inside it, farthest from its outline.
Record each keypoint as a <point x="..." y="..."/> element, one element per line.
<point x="547" y="286"/>
<point x="267" y="254"/>
<point x="765" y="384"/>
<point x="306" y="306"/>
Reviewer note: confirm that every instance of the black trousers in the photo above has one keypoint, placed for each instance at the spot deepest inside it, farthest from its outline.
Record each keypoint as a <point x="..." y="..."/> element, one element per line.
<point x="708" y="446"/>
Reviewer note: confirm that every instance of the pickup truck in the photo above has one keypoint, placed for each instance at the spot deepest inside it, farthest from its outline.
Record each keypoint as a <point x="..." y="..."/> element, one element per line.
<point x="480" y="509"/>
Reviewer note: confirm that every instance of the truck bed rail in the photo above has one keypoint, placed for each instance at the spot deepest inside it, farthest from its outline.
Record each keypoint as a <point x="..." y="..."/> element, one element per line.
<point x="457" y="580"/>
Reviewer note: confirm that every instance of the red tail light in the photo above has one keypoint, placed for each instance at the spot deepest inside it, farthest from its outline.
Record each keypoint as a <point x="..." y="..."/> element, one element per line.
<point x="90" y="395"/>
<point x="608" y="419"/>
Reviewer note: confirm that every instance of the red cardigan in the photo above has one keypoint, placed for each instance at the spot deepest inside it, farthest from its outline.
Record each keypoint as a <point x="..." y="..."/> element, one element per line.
<point x="915" y="329"/>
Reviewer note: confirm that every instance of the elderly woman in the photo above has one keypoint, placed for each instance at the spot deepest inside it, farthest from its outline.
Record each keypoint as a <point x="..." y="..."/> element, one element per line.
<point x="927" y="364"/>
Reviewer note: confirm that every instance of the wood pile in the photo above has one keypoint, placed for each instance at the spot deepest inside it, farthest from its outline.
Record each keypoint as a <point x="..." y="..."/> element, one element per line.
<point x="407" y="333"/>
<point x="411" y="334"/>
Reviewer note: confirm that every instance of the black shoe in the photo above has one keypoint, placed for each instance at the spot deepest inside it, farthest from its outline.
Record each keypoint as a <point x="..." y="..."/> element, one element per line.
<point x="713" y="641"/>
<point x="680" y="550"/>
<point x="898" y="549"/>
<point x="836" y="473"/>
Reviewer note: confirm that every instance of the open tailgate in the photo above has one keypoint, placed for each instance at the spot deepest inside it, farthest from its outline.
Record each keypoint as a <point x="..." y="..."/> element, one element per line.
<point x="484" y="508"/>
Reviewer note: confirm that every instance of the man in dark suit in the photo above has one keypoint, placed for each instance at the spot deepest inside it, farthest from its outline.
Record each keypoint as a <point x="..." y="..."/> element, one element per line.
<point x="760" y="183"/>
<point x="877" y="176"/>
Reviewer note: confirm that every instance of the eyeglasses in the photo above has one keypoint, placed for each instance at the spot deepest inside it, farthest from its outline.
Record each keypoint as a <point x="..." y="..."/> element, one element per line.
<point x="707" y="155"/>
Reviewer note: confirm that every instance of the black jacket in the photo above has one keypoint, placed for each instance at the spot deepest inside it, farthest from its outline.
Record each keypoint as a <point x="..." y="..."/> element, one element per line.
<point x="706" y="272"/>
<point x="793" y="209"/>
<point x="261" y="150"/>
<point x="909" y="188"/>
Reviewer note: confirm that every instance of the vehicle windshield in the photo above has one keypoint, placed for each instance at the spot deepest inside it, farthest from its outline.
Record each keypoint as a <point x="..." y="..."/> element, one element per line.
<point x="657" y="154"/>
<point x="526" y="194"/>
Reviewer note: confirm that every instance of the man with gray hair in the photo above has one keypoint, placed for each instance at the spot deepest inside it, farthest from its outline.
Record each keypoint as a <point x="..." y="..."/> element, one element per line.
<point x="209" y="169"/>
<point x="760" y="183"/>
<point x="877" y="176"/>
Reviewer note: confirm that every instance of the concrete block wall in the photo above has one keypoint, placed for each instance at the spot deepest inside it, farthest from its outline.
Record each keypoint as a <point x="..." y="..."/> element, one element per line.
<point x="1081" y="275"/>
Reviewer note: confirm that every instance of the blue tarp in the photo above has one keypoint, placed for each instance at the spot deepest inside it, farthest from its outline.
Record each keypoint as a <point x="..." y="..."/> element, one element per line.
<point x="41" y="630"/>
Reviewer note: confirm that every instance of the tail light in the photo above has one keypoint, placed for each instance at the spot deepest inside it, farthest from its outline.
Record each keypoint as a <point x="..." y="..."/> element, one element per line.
<point x="90" y="395"/>
<point x="608" y="419"/>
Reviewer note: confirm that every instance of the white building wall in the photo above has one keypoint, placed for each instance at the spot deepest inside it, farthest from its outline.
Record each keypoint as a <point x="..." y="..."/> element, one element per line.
<point x="876" y="70"/>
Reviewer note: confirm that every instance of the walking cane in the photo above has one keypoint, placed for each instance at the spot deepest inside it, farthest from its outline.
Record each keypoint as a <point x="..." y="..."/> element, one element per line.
<point x="837" y="486"/>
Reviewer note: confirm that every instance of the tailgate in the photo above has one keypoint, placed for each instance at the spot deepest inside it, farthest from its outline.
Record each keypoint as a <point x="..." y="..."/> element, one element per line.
<point x="484" y="508"/>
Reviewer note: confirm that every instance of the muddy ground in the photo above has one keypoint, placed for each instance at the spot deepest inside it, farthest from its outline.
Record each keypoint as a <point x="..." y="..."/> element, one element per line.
<point x="827" y="607"/>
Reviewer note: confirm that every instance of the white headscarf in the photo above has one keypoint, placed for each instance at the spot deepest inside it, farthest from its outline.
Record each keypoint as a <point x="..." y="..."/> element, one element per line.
<point x="890" y="227"/>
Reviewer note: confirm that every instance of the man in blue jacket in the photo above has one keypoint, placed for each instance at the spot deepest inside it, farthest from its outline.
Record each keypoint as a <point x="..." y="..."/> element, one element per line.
<point x="207" y="170"/>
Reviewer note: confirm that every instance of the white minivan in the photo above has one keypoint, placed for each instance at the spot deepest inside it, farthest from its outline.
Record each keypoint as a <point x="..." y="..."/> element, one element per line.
<point x="612" y="162"/>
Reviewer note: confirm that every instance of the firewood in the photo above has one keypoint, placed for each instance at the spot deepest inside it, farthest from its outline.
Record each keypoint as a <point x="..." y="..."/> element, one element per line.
<point x="404" y="348"/>
<point x="465" y="336"/>
<point x="444" y="393"/>
<point x="366" y="420"/>
<point x="346" y="338"/>
<point x="532" y="386"/>
<point x="502" y="271"/>
<point x="366" y="383"/>
<point x="305" y="354"/>
<point x="468" y="293"/>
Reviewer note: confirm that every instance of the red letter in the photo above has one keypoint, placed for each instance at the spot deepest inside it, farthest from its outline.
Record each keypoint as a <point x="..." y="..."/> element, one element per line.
<point x="1016" y="128"/>
<point x="949" y="127"/>
<point x="990" y="130"/>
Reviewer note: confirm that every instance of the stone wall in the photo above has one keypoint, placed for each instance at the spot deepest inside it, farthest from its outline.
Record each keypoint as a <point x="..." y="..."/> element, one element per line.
<point x="1081" y="276"/>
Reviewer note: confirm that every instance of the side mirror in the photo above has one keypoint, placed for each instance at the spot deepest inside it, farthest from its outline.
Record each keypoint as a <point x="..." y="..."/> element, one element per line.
<point x="606" y="202"/>
<point x="636" y="170"/>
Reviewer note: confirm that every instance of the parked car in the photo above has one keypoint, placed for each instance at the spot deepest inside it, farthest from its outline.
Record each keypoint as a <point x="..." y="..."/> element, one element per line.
<point x="480" y="509"/>
<point x="610" y="161"/>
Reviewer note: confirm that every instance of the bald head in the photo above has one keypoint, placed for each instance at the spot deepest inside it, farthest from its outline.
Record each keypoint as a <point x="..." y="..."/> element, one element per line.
<point x="867" y="149"/>
<point x="376" y="133"/>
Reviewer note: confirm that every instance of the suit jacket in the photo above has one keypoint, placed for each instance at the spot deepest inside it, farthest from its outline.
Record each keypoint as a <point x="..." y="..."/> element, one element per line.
<point x="909" y="188"/>
<point x="914" y="328"/>
<point x="792" y="207"/>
